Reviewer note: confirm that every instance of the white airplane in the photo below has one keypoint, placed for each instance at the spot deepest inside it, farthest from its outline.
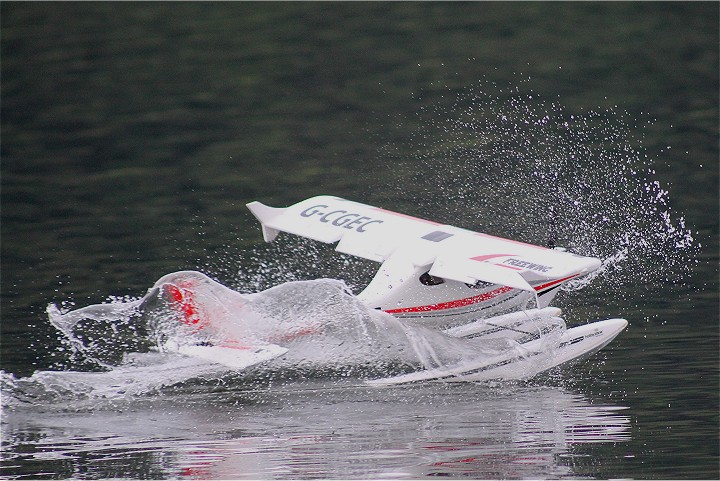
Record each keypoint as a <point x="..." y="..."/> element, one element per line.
<point x="453" y="279"/>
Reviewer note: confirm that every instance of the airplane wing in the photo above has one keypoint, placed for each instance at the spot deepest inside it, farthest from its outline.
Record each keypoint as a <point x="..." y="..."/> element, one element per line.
<point x="377" y="234"/>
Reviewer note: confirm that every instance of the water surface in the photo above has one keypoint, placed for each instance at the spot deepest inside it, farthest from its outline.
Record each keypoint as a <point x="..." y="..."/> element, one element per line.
<point x="133" y="135"/>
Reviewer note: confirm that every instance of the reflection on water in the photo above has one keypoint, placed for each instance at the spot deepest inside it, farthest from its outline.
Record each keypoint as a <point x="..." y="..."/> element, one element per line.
<point x="323" y="429"/>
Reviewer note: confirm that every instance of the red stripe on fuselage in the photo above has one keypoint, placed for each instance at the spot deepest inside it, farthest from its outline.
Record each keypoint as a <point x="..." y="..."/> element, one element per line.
<point x="452" y="304"/>
<point x="472" y="300"/>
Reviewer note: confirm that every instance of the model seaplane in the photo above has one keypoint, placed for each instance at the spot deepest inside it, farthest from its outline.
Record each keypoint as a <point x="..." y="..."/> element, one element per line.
<point x="468" y="284"/>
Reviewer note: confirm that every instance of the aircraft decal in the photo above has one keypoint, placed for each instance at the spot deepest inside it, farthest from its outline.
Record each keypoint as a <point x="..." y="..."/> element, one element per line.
<point x="531" y="266"/>
<point x="515" y="264"/>
<point x="437" y="236"/>
<point x="340" y="217"/>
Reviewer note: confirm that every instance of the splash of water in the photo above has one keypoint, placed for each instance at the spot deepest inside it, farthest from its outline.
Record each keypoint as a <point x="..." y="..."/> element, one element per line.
<point x="505" y="161"/>
<point x="320" y="327"/>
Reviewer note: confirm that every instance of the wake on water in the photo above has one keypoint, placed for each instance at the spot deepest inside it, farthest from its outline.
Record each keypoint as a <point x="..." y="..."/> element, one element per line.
<point x="537" y="163"/>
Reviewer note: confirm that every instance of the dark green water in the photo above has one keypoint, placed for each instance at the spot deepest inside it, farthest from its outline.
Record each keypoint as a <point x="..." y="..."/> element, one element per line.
<point x="133" y="135"/>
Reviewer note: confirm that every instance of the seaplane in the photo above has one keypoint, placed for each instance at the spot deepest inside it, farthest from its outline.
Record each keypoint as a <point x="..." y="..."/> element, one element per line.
<point x="471" y="286"/>
<point x="468" y="284"/>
